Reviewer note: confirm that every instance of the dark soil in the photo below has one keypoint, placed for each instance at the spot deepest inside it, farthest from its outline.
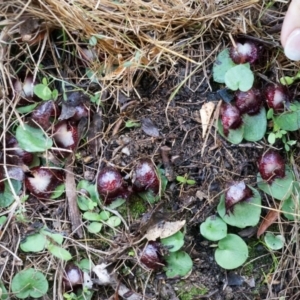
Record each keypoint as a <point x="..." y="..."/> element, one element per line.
<point x="212" y="163"/>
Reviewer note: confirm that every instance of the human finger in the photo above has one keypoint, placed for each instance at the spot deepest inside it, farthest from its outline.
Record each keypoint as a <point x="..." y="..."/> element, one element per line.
<point x="290" y="33"/>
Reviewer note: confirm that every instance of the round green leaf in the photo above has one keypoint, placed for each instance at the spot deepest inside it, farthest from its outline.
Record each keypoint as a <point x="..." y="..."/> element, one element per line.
<point x="222" y="64"/>
<point x="240" y="78"/>
<point x="92" y="216"/>
<point x="29" y="283"/>
<point x="2" y="220"/>
<point x="3" y="292"/>
<point x="26" y="109"/>
<point x="116" y="203"/>
<point x="59" y="252"/>
<point x="113" y="221"/>
<point x="289" y="208"/>
<point x="274" y="242"/>
<point x="90" y="188"/>
<point x="214" y="228"/>
<point x="7" y="197"/>
<point x="280" y="188"/>
<point x="245" y="213"/>
<point x="235" y="136"/>
<point x="42" y="91"/>
<point x="85" y="204"/>
<point x="232" y="252"/>
<point x="289" y="121"/>
<point x="104" y="215"/>
<point x="255" y="126"/>
<point x="32" y="139"/>
<point x="59" y="190"/>
<point x="178" y="264"/>
<point x="174" y="242"/>
<point x="57" y="237"/>
<point x="94" y="227"/>
<point x="86" y="265"/>
<point x="287" y="80"/>
<point x="33" y="243"/>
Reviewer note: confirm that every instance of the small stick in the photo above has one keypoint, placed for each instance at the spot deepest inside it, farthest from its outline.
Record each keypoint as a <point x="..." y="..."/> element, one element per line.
<point x="166" y="162"/>
<point x="74" y="213"/>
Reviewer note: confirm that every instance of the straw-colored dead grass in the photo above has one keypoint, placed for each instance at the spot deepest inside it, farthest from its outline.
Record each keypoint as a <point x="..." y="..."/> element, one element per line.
<point x="138" y="35"/>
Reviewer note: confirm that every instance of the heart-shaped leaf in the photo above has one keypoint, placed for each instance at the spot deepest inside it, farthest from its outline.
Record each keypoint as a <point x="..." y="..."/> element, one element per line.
<point x="235" y="136"/>
<point x="94" y="227"/>
<point x="33" y="243"/>
<point x="290" y="120"/>
<point x="255" y="126"/>
<point x="231" y="253"/>
<point x="280" y="188"/>
<point x="245" y="213"/>
<point x="214" y="228"/>
<point x="291" y="206"/>
<point x="29" y="283"/>
<point x="42" y="91"/>
<point x="240" y="78"/>
<point x="174" y="242"/>
<point x="222" y="64"/>
<point x="32" y="139"/>
<point x="59" y="252"/>
<point x="178" y="264"/>
<point x="7" y="197"/>
<point x="274" y="242"/>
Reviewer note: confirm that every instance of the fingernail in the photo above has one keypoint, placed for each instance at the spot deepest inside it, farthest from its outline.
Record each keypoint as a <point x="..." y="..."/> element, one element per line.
<point x="292" y="46"/>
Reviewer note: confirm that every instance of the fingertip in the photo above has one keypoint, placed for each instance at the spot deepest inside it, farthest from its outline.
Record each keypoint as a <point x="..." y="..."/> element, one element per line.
<point x="291" y="21"/>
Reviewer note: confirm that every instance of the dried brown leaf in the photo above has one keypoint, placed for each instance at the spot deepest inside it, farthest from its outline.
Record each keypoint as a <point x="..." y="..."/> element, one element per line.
<point x="149" y="128"/>
<point x="205" y="114"/>
<point x="163" y="230"/>
<point x="269" y="219"/>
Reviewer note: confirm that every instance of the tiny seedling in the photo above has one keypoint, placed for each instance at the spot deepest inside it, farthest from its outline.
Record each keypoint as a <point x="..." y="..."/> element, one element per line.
<point x="185" y="180"/>
<point x="98" y="219"/>
<point x="43" y="91"/>
<point x="96" y="98"/>
<point x="132" y="123"/>
<point x="288" y="80"/>
<point x="29" y="283"/>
